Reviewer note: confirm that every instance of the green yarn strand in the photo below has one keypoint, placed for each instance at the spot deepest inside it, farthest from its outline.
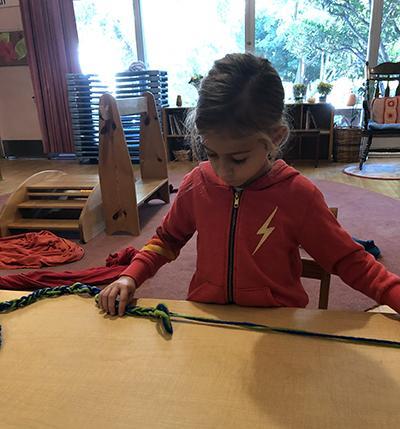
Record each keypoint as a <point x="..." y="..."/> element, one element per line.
<point x="162" y="314"/>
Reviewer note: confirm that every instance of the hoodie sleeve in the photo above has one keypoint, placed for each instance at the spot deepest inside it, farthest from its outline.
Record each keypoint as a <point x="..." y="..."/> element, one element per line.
<point x="177" y="228"/>
<point x="333" y="248"/>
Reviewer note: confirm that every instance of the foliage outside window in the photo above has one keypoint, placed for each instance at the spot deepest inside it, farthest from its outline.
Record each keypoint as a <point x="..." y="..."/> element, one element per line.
<point x="186" y="37"/>
<point x="106" y="33"/>
<point x="310" y="41"/>
<point x="389" y="48"/>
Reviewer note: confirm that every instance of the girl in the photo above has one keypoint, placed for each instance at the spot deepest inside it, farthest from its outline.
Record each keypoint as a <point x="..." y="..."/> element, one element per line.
<point x="251" y="212"/>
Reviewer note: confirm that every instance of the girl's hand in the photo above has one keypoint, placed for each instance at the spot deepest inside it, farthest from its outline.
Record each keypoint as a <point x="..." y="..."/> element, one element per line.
<point x="125" y="288"/>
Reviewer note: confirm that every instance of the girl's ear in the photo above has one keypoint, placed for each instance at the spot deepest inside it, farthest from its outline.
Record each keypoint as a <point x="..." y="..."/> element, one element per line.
<point x="279" y="135"/>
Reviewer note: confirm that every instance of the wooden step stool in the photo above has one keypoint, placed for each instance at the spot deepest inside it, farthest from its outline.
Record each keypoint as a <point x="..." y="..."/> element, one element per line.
<point x="55" y="201"/>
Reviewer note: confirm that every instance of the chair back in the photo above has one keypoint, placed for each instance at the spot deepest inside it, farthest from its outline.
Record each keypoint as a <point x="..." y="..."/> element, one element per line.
<point x="378" y="87"/>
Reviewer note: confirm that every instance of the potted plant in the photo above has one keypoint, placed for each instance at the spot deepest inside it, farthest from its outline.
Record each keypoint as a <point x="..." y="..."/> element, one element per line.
<point x="195" y="80"/>
<point x="299" y="92"/>
<point x="324" y="88"/>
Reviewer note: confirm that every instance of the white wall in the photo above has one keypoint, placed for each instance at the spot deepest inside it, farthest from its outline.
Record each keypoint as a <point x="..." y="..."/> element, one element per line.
<point x="18" y="114"/>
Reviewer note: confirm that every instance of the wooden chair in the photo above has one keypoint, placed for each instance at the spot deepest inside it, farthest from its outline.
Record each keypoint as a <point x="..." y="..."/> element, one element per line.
<point x="312" y="270"/>
<point x="374" y="89"/>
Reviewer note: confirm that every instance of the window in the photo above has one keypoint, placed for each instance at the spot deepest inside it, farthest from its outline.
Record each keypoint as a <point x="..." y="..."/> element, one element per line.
<point x="185" y="37"/>
<point x="389" y="49"/>
<point x="309" y="41"/>
<point x="106" y="33"/>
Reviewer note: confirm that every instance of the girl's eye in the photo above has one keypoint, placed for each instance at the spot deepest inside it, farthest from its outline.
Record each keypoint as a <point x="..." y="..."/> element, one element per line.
<point x="239" y="161"/>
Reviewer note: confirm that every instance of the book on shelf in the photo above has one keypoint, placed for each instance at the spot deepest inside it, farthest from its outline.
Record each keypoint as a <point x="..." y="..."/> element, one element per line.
<point x="171" y="124"/>
<point x="179" y="125"/>
<point x="176" y="125"/>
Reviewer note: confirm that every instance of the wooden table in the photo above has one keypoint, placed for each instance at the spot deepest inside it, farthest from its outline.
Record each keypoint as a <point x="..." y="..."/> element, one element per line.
<point x="65" y="365"/>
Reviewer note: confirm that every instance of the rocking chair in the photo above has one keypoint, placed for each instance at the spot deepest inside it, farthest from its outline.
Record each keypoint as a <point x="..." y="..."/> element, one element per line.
<point x="381" y="110"/>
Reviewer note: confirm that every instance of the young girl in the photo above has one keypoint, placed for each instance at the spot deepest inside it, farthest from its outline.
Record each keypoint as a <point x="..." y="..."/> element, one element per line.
<point x="251" y="212"/>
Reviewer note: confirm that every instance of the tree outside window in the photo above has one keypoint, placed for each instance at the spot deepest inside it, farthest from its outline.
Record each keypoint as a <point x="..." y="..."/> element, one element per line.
<point x="185" y="37"/>
<point x="106" y="33"/>
<point x="389" y="48"/>
<point x="315" y="40"/>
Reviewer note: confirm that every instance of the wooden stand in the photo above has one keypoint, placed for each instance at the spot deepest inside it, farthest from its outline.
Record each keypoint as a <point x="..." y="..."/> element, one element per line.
<point x="63" y="203"/>
<point x="121" y="194"/>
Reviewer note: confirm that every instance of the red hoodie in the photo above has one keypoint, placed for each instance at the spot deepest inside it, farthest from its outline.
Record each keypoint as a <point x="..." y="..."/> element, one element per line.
<point x="248" y="241"/>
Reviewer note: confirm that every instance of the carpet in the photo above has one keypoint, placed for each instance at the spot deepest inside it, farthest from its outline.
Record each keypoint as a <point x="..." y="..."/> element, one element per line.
<point x="375" y="170"/>
<point x="365" y="214"/>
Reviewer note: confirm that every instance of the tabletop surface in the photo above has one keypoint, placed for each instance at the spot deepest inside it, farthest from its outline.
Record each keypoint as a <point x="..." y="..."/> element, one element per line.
<point x="63" y="364"/>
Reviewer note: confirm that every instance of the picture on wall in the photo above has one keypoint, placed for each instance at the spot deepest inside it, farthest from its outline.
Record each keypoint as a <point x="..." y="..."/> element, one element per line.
<point x="12" y="49"/>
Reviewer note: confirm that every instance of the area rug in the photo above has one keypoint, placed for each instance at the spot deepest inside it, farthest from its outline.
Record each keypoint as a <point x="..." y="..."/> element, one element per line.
<point x="365" y="214"/>
<point x="375" y="170"/>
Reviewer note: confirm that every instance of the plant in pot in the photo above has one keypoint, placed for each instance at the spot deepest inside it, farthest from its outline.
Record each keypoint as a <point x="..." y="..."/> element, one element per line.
<point x="299" y="92"/>
<point x="324" y="88"/>
<point x="195" y="80"/>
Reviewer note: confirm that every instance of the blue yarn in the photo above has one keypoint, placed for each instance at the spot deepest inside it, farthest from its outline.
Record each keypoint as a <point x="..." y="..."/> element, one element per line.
<point x="162" y="314"/>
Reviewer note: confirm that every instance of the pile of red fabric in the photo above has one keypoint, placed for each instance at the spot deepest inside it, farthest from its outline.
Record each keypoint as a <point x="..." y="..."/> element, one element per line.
<point x="115" y="264"/>
<point x="37" y="249"/>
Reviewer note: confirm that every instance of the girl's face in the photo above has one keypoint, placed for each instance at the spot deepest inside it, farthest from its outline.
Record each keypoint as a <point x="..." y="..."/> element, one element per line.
<point x="237" y="161"/>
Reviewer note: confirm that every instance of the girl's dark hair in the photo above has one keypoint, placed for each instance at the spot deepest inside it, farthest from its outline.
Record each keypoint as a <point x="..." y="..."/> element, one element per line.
<point x="241" y="95"/>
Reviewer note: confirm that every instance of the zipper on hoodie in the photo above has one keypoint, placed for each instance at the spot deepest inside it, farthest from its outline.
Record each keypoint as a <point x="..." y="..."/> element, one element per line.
<point x="231" y="246"/>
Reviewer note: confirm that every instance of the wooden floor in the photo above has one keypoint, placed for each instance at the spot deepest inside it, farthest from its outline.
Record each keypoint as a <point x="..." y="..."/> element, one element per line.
<point x="14" y="172"/>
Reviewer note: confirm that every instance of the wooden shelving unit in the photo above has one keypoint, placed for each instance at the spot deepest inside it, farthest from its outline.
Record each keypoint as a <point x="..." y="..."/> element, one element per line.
<point x="174" y="129"/>
<point x="307" y="118"/>
<point x="310" y="119"/>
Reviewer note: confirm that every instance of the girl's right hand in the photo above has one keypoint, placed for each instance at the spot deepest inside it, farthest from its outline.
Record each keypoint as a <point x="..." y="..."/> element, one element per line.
<point x="125" y="288"/>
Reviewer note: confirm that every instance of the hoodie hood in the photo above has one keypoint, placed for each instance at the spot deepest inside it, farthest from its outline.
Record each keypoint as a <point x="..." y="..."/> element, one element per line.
<point x="279" y="172"/>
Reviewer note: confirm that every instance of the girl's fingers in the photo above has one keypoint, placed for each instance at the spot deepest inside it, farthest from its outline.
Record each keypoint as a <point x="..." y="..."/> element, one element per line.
<point x="123" y="300"/>
<point x="108" y="297"/>
<point x="111" y="300"/>
<point x="103" y="298"/>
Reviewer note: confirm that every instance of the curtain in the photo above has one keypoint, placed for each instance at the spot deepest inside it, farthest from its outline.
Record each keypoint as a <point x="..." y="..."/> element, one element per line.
<point x="52" y="42"/>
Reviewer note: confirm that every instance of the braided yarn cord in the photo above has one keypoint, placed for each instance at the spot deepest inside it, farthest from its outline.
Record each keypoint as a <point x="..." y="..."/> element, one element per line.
<point x="162" y="314"/>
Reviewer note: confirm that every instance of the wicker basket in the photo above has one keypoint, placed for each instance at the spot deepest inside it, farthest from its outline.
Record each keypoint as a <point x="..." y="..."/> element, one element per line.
<point x="182" y="155"/>
<point x="346" y="144"/>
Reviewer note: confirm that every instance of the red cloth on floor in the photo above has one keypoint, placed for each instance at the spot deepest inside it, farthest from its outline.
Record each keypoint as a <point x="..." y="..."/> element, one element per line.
<point x="115" y="264"/>
<point x="37" y="249"/>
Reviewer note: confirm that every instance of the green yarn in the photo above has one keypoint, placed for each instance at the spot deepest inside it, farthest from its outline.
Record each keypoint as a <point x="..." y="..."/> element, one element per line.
<point x="162" y="314"/>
